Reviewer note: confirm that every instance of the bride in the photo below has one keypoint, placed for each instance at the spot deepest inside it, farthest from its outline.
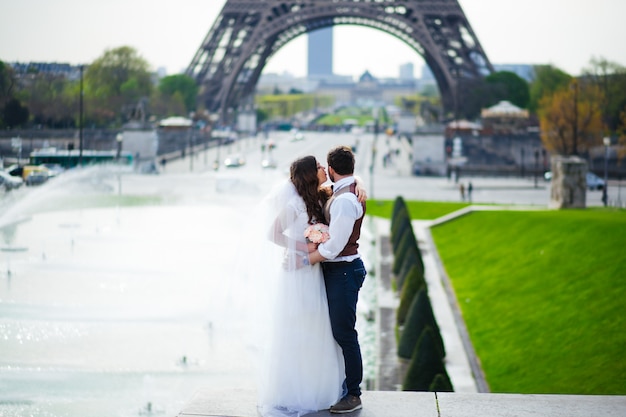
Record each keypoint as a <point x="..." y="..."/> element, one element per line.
<point x="301" y="365"/>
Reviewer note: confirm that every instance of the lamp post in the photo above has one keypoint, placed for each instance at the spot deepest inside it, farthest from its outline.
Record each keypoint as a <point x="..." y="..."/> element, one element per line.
<point x="80" y="120"/>
<point x="373" y="161"/>
<point x="119" y="139"/>
<point x="536" y="165"/>
<point x="607" y="143"/>
<point x="216" y="164"/>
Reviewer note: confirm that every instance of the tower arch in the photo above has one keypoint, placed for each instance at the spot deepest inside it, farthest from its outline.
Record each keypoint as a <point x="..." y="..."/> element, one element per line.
<point x="247" y="33"/>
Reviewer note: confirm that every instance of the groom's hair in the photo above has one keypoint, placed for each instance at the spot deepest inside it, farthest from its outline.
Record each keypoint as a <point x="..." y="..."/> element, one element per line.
<point x="341" y="159"/>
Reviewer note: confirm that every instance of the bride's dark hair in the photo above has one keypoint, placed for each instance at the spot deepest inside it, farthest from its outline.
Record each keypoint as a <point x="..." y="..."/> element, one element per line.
<point x="303" y="174"/>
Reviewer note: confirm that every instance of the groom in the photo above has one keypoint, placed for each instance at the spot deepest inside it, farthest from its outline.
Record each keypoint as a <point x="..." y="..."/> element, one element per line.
<point x="344" y="271"/>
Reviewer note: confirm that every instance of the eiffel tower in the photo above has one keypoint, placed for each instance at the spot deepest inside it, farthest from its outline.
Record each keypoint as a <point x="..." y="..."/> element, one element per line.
<point x="247" y="33"/>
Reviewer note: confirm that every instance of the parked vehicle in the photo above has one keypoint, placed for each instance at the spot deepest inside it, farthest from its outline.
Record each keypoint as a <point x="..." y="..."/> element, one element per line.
<point x="53" y="169"/>
<point x="28" y="170"/>
<point x="234" y="160"/>
<point x="10" y="182"/>
<point x="37" y="177"/>
<point x="269" y="163"/>
<point x="296" y="135"/>
<point x="593" y="181"/>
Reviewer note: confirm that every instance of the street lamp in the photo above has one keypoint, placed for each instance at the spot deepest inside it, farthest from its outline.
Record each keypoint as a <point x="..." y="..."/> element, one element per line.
<point x="607" y="143"/>
<point x="375" y="116"/>
<point x="119" y="138"/>
<point x="536" y="165"/>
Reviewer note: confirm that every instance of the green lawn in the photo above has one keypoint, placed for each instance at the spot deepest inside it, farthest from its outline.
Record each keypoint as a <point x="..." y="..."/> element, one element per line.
<point x="423" y="210"/>
<point x="543" y="294"/>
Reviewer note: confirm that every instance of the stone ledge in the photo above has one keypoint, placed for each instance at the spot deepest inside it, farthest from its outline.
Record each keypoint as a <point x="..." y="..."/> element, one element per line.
<point x="241" y="403"/>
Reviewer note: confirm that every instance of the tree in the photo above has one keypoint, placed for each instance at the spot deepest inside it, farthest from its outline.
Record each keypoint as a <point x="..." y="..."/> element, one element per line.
<point x="506" y="85"/>
<point x="621" y="150"/>
<point x="610" y="78"/>
<point x="52" y="100"/>
<point x="14" y="113"/>
<point x="571" y="119"/>
<point x="182" y="84"/>
<point x="7" y="82"/>
<point x="115" y="83"/>
<point x="162" y="105"/>
<point x="548" y="80"/>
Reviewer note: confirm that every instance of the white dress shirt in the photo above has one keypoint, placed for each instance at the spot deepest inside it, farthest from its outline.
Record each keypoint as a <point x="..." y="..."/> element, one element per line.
<point x="345" y="210"/>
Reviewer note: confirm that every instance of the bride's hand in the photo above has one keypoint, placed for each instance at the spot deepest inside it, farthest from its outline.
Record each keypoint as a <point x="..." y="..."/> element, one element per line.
<point x="361" y="194"/>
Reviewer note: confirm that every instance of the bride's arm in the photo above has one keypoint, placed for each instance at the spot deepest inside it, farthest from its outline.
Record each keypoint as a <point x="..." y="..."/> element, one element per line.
<point x="361" y="194"/>
<point x="277" y="235"/>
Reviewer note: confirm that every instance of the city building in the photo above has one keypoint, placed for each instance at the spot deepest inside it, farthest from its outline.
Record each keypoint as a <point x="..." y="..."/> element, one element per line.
<point x="22" y="69"/>
<point x="407" y="72"/>
<point x="320" y="53"/>
<point x="525" y="71"/>
<point x="368" y="89"/>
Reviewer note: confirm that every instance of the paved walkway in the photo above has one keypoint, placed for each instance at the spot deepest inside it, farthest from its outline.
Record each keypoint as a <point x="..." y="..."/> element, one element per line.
<point x="241" y="403"/>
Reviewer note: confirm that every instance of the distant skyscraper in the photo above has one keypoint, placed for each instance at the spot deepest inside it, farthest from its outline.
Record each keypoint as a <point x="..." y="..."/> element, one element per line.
<point x="320" y="52"/>
<point x="406" y="71"/>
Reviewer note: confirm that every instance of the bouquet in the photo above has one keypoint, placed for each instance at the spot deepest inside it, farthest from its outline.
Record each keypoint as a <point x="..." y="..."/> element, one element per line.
<point x="317" y="233"/>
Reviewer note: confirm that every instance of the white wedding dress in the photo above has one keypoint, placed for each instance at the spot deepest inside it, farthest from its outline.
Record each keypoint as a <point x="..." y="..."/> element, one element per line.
<point x="301" y="366"/>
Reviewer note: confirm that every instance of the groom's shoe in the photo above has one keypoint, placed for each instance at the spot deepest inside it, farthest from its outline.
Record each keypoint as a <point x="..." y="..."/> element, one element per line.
<point x="348" y="404"/>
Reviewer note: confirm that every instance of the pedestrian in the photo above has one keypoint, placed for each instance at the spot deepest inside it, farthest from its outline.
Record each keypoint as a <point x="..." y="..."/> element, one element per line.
<point x="462" y="191"/>
<point x="470" y="188"/>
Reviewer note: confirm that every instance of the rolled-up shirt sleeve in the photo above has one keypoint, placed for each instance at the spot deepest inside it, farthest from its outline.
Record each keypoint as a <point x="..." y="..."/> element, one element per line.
<point x="344" y="212"/>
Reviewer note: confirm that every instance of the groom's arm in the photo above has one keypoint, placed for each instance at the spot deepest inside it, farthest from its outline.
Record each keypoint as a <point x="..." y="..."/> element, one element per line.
<point x="343" y="215"/>
<point x="315" y="257"/>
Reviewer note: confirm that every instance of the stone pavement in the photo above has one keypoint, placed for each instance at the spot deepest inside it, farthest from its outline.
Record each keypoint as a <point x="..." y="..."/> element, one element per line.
<point x="241" y="403"/>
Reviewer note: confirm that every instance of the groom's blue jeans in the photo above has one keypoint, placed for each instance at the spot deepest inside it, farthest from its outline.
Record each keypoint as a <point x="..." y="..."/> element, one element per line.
<point x="343" y="282"/>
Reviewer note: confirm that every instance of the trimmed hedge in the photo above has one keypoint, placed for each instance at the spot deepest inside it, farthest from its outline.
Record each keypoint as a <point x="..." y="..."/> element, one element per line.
<point x="419" y="316"/>
<point x="425" y="364"/>
<point x="402" y="223"/>
<point x="398" y="204"/>
<point x="407" y="242"/>
<point x="413" y="283"/>
<point x="417" y="332"/>
<point x="411" y="259"/>
<point x="441" y="383"/>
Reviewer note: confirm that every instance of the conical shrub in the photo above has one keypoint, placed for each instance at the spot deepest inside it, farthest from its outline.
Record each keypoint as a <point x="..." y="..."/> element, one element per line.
<point x="425" y="364"/>
<point x="413" y="258"/>
<point x="419" y="316"/>
<point x="408" y="246"/>
<point x="441" y="383"/>
<point x="402" y="223"/>
<point x="408" y="242"/>
<point x="398" y="205"/>
<point x="412" y="284"/>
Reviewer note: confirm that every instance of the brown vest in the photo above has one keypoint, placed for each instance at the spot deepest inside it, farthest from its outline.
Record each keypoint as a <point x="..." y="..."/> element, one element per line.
<point x="352" y="246"/>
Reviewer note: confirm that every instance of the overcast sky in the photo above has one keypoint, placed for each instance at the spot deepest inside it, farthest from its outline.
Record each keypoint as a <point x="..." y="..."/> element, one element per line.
<point x="565" y="33"/>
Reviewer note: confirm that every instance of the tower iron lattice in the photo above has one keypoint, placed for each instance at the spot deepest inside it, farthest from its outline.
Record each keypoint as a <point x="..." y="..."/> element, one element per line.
<point x="229" y="62"/>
